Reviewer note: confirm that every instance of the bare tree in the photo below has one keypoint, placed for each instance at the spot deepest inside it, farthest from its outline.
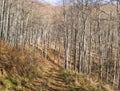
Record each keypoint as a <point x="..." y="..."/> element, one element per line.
<point x="118" y="15"/>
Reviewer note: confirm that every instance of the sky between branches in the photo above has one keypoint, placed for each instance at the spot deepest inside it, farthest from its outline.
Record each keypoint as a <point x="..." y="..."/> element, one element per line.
<point x="59" y="2"/>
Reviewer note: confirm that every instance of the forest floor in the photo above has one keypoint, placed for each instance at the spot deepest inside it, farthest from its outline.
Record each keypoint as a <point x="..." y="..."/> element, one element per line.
<point x="55" y="78"/>
<point x="47" y="76"/>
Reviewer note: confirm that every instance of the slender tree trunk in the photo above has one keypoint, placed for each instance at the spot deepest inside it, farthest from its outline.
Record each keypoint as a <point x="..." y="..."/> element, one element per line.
<point x="108" y="49"/>
<point x="65" y="37"/>
<point x="2" y="18"/>
<point x="75" y="49"/>
<point x="90" y="61"/>
<point x="99" y="41"/>
<point x="79" y="58"/>
<point x="55" y="45"/>
<point x="118" y="13"/>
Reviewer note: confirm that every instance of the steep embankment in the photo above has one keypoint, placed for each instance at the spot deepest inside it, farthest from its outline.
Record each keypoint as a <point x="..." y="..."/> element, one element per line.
<point x="29" y="71"/>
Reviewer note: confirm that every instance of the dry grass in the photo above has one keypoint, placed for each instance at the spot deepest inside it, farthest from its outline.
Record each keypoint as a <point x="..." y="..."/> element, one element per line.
<point x="40" y="74"/>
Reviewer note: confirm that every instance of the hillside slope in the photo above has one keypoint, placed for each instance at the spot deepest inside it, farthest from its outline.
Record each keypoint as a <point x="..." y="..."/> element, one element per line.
<point x="47" y="75"/>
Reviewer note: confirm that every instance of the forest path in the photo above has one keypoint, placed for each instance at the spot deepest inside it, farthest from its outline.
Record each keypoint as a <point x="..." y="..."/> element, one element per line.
<point x="51" y="78"/>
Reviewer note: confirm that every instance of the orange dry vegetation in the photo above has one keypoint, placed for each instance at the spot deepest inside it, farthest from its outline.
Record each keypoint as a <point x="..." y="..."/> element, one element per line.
<point x="42" y="74"/>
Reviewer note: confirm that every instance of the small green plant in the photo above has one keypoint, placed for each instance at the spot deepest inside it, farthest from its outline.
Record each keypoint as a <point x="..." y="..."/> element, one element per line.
<point x="67" y="74"/>
<point x="13" y="80"/>
<point x="74" y="89"/>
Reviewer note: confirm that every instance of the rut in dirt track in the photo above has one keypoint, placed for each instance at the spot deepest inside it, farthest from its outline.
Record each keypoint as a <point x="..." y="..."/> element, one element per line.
<point x="52" y="79"/>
